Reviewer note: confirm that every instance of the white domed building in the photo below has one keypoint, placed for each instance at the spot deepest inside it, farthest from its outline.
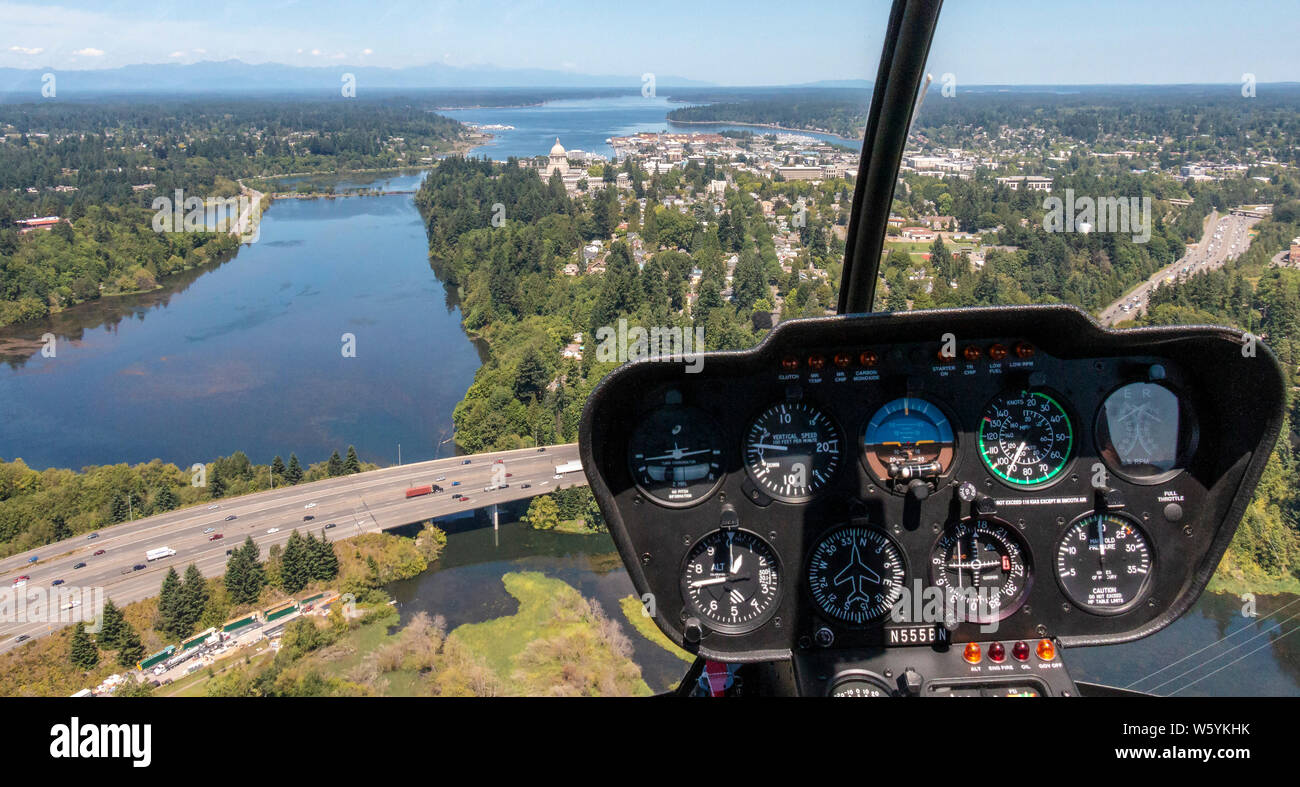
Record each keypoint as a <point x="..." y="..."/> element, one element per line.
<point x="558" y="161"/>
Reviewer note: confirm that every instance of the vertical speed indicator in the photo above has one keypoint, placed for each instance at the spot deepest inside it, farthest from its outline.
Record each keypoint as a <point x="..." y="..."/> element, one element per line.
<point x="792" y="450"/>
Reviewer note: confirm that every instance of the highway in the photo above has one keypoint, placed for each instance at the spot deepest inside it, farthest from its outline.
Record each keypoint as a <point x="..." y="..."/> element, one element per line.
<point x="1226" y="237"/>
<point x="360" y="503"/>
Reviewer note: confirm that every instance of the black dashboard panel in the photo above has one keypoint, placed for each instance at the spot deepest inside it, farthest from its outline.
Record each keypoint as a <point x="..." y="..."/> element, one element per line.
<point x="1081" y="483"/>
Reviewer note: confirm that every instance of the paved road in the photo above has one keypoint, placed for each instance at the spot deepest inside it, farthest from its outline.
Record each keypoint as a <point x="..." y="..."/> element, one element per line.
<point x="1225" y="238"/>
<point x="361" y="503"/>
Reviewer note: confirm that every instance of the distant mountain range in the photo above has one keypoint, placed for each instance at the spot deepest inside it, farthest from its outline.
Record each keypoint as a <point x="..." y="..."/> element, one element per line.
<point x="235" y="76"/>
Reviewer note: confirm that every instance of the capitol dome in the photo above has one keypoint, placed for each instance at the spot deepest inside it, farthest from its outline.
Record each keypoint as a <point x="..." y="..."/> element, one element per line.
<point x="557" y="149"/>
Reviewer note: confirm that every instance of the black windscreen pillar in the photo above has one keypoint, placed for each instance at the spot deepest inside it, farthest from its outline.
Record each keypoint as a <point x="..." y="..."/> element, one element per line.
<point x="898" y="79"/>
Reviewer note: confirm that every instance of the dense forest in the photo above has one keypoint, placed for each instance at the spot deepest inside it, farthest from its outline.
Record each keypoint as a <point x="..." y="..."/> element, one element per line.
<point x="101" y="165"/>
<point x="515" y="296"/>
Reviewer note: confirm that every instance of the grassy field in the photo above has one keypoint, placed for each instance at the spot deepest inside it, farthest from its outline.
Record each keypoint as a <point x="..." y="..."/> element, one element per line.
<point x="557" y="643"/>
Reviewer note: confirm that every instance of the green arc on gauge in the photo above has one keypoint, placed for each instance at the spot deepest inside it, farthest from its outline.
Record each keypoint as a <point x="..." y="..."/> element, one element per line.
<point x="1065" y="456"/>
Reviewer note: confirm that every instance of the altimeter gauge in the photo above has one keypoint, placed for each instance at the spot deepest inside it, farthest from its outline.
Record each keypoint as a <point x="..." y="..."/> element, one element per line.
<point x="731" y="580"/>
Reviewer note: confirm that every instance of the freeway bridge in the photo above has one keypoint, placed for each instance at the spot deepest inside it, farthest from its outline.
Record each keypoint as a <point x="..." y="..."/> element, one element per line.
<point x="360" y="503"/>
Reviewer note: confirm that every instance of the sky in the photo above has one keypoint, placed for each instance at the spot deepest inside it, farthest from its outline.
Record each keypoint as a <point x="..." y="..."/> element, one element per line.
<point x="757" y="42"/>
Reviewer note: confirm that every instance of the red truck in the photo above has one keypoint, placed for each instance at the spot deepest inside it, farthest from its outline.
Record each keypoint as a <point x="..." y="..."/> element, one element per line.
<point x="416" y="491"/>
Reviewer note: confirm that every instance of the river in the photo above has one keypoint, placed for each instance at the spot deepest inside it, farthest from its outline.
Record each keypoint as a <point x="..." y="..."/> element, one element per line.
<point x="246" y="355"/>
<point x="249" y="355"/>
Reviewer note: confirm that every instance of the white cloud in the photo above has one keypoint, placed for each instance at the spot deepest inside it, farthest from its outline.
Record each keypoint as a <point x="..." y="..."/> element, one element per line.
<point x="89" y="51"/>
<point x="367" y="51"/>
<point x="177" y="53"/>
<point x="27" y="50"/>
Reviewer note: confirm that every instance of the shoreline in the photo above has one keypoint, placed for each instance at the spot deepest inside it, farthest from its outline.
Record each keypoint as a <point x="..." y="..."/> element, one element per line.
<point x="759" y="125"/>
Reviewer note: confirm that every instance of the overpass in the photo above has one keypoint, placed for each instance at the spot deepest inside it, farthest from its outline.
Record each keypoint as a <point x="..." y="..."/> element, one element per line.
<point x="366" y="502"/>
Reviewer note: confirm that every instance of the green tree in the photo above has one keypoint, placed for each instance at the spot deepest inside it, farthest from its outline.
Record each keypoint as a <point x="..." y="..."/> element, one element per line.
<point x="166" y="499"/>
<point x="543" y="513"/>
<point x="112" y="627"/>
<point x="277" y="467"/>
<point x="294" y="472"/>
<point x="352" y="464"/>
<point x="194" y="597"/>
<point x="83" y="652"/>
<point x="324" y="561"/>
<point x="132" y="650"/>
<point x="335" y="466"/>
<point x="171" y="616"/>
<point x="245" y="576"/>
<point x="295" y="568"/>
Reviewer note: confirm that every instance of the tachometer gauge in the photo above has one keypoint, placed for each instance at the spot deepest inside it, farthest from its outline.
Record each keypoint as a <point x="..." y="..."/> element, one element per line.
<point x="982" y="567"/>
<point x="1026" y="438"/>
<point x="1146" y="432"/>
<point x="675" y="456"/>
<point x="792" y="451"/>
<point x="1104" y="563"/>
<point x="731" y="580"/>
<point x="908" y="438"/>
<point x="856" y="574"/>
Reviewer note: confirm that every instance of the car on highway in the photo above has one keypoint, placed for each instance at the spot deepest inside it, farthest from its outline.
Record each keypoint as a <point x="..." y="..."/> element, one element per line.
<point x="310" y="505"/>
<point x="100" y="551"/>
<point x="510" y="475"/>
<point x="441" y="478"/>
<point x="89" y="536"/>
<point x="525" y="486"/>
<point x="464" y="499"/>
<point x="272" y="530"/>
<point x="138" y="567"/>
<point x="33" y="559"/>
<point x="541" y="450"/>
<point x="331" y="524"/>
<point x="231" y="518"/>
<point x="308" y="518"/>
<point x="80" y="565"/>
<point x="455" y="483"/>
<point x="499" y="462"/>
<point x="56" y="583"/>
<point x="207" y="530"/>
<point x="21" y="580"/>
<point x="467" y="461"/>
<point x="214" y="506"/>
<point x="216" y="536"/>
<point x="22" y="638"/>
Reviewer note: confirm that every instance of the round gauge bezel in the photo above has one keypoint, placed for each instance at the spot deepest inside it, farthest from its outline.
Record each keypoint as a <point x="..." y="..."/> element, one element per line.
<point x="830" y="480"/>
<point x="1026" y="556"/>
<point x="860" y="676"/>
<point x="720" y="445"/>
<point x="812" y="554"/>
<point x="1147" y="584"/>
<point x="1076" y="438"/>
<point x="1184" y="459"/>
<point x="884" y="481"/>
<point x="732" y="629"/>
